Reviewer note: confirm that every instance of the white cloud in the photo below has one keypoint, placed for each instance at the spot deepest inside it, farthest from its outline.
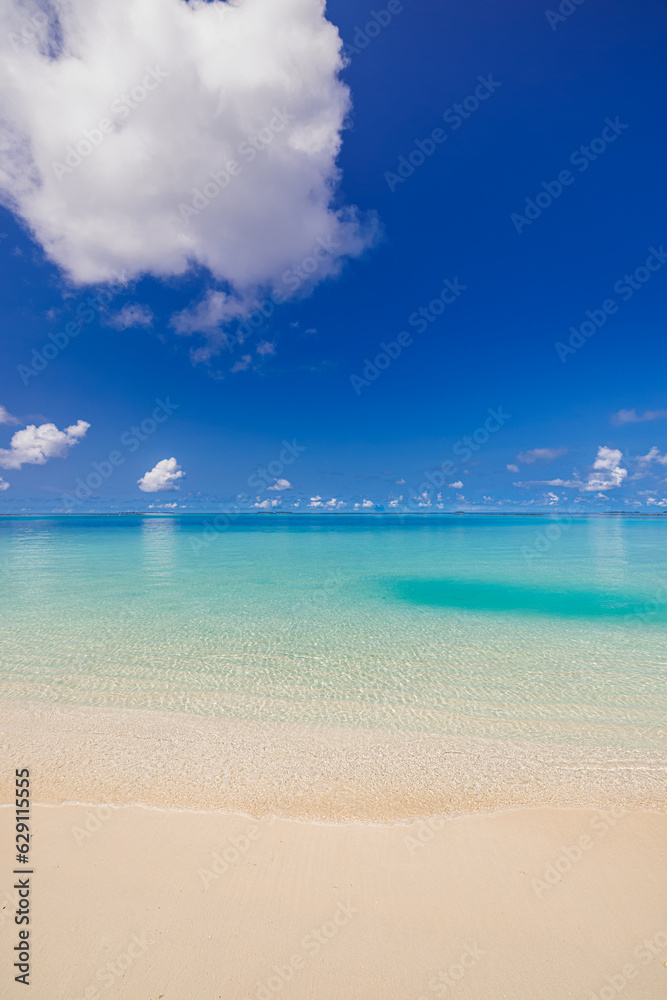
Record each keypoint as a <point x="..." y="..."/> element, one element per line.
<point x="367" y="503"/>
<point x="240" y="366"/>
<point x="315" y="502"/>
<point x="130" y="316"/>
<point x="213" y="311"/>
<point x="120" y="115"/>
<point x="6" y="417"/>
<point x="540" y="455"/>
<point x="4" y="485"/>
<point x="632" y="417"/>
<point x="266" y="347"/>
<point x="280" y="484"/>
<point x="266" y="504"/>
<point x="34" y="445"/>
<point x="551" y="498"/>
<point x="607" y="474"/>
<point x="512" y="468"/>
<point x="657" y="503"/>
<point x="458" y="485"/>
<point x="652" y="455"/>
<point x="162" y="476"/>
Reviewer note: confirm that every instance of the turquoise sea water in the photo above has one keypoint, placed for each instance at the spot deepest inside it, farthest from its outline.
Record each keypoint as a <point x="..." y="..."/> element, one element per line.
<point x="496" y="626"/>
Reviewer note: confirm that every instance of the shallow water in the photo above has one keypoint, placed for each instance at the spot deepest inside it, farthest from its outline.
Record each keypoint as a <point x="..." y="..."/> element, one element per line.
<point x="494" y="626"/>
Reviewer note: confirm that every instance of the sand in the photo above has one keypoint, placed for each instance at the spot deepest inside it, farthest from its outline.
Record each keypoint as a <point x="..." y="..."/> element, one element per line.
<point x="84" y="753"/>
<point x="144" y="904"/>
<point x="201" y="901"/>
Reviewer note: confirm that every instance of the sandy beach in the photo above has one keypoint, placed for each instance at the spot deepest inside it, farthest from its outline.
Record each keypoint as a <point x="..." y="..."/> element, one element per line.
<point x="144" y="904"/>
<point x="217" y="898"/>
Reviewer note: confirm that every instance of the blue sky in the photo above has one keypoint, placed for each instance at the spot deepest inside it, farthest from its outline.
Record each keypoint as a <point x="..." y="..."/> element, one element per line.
<point x="506" y="162"/>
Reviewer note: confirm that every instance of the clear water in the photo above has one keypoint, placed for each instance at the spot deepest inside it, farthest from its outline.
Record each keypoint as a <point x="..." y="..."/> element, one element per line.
<point x="510" y="627"/>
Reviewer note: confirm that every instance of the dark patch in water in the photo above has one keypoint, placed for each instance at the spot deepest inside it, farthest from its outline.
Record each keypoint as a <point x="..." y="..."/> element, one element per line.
<point x="472" y="595"/>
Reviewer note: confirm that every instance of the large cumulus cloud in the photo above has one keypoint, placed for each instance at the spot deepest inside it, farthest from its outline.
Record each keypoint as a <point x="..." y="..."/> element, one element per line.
<point x="116" y="112"/>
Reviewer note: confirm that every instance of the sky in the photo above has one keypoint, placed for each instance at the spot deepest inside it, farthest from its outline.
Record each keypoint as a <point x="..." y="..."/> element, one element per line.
<point x="276" y="256"/>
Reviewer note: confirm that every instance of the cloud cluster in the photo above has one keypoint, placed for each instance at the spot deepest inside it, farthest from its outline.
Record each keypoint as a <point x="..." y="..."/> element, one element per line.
<point x="652" y="455"/>
<point x="151" y="136"/>
<point x="34" y="445"/>
<point x="162" y="476"/>
<point x="607" y="471"/>
<point x="632" y="417"/>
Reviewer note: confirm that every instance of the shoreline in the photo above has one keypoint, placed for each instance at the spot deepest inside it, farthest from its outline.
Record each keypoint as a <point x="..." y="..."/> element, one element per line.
<point x="161" y="759"/>
<point x="319" y="897"/>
